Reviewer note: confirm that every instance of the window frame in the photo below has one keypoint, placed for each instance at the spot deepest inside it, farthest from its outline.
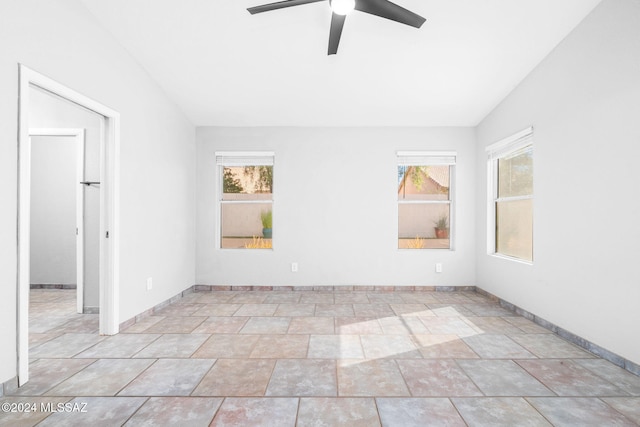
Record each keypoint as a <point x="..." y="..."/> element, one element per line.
<point x="507" y="147"/>
<point x="430" y="158"/>
<point x="238" y="159"/>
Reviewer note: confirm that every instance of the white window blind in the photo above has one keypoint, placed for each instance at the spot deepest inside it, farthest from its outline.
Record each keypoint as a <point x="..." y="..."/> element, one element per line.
<point x="512" y="145"/>
<point x="244" y="158"/>
<point x="425" y="158"/>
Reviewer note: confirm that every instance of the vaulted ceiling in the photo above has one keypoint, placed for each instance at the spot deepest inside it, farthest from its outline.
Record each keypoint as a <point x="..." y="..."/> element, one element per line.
<point x="225" y="67"/>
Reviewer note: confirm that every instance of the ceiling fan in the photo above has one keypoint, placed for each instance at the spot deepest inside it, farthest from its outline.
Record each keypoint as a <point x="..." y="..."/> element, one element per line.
<point x="340" y="9"/>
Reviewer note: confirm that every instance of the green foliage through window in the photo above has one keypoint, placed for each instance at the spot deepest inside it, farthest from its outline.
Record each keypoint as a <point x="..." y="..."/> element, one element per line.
<point x="230" y="184"/>
<point x="262" y="176"/>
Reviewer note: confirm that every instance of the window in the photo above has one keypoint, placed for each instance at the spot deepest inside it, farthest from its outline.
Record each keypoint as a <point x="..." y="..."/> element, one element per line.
<point x="425" y="194"/>
<point x="511" y="196"/>
<point x="245" y="202"/>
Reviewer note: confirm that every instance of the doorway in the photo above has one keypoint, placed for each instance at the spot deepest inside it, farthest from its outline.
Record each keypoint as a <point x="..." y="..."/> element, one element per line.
<point x="109" y="211"/>
<point x="57" y="210"/>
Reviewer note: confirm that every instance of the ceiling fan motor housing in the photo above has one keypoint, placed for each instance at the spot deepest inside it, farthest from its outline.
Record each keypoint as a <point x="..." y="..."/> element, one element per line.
<point x="342" y="7"/>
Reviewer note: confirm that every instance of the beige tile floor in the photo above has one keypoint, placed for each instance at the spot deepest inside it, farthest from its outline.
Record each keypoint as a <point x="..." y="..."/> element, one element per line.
<point x="313" y="358"/>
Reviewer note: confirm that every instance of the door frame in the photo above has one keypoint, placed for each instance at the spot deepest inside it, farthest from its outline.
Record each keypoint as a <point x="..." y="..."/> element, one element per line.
<point x="78" y="135"/>
<point x="109" y="208"/>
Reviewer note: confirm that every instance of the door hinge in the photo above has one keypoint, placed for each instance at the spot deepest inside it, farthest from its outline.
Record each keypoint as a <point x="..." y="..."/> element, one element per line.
<point x="107" y="235"/>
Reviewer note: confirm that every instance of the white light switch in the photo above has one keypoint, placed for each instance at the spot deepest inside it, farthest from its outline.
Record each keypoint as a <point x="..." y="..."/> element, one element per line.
<point x="149" y="283"/>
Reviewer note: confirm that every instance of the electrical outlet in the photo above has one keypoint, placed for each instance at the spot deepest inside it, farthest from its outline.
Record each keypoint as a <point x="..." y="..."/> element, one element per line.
<point x="439" y="267"/>
<point x="149" y="283"/>
<point x="294" y="267"/>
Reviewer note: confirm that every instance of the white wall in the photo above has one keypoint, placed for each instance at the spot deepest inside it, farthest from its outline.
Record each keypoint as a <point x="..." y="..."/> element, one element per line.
<point x="60" y="39"/>
<point x="583" y="101"/>
<point x="47" y="111"/>
<point x="335" y="208"/>
<point x="53" y="210"/>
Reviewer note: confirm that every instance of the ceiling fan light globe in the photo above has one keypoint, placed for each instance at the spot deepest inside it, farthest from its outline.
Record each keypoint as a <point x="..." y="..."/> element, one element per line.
<point x="342" y="7"/>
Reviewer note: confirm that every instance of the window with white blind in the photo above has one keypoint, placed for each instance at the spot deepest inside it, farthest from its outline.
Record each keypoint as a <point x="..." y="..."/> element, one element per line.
<point x="510" y="179"/>
<point x="425" y="199"/>
<point x="245" y="200"/>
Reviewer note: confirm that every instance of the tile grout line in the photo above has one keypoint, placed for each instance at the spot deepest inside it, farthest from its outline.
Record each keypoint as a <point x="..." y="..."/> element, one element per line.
<point x="404" y="380"/>
<point x="136" y="377"/>
<point x="614" y="408"/>
<point x="527" y="399"/>
<point x="475" y="384"/>
<point x="450" y="399"/>
<point x="136" y="411"/>
<point x="215" y="361"/>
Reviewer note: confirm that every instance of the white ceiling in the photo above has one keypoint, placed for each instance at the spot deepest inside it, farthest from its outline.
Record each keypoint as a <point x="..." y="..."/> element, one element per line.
<point x="225" y="67"/>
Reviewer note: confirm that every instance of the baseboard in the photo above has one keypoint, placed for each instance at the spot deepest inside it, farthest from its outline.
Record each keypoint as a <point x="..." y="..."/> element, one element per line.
<point x="132" y="321"/>
<point x="91" y="310"/>
<point x="8" y="386"/>
<point x="587" y="345"/>
<point x="363" y="288"/>
<point x="53" y="286"/>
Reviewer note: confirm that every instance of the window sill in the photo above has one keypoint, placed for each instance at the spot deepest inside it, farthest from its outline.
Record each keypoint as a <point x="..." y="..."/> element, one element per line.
<point x="509" y="258"/>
